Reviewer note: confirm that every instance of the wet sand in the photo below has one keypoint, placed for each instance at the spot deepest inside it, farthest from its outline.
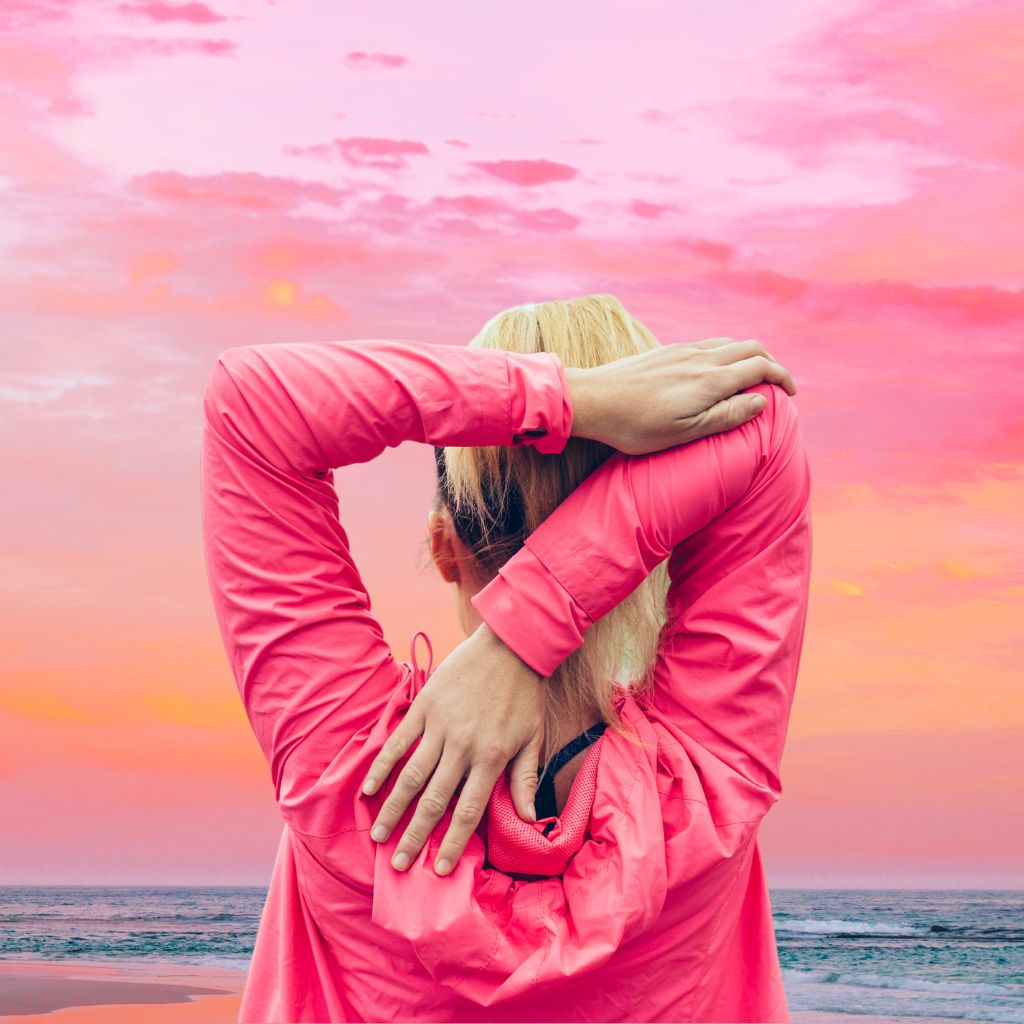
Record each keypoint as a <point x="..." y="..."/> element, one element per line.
<point x="823" y="1017"/>
<point x="111" y="993"/>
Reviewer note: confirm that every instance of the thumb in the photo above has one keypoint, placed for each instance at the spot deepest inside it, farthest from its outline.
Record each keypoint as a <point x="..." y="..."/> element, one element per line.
<point x="523" y="785"/>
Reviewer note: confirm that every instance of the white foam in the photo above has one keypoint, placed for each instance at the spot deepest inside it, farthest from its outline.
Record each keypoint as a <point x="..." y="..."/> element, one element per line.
<point x="813" y="926"/>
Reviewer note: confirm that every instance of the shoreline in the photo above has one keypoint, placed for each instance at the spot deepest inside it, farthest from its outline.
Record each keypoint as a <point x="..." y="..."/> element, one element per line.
<point x="166" y="992"/>
<point x="102" y="992"/>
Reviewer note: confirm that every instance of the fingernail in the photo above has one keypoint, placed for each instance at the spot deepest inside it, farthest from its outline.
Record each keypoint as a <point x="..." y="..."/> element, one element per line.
<point x="443" y="866"/>
<point x="758" y="402"/>
<point x="533" y="814"/>
<point x="369" y="786"/>
<point x="379" y="833"/>
<point x="401" y="861"/>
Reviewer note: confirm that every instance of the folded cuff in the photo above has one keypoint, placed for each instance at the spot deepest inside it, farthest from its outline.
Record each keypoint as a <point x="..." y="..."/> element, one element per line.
<point x="533" y="614"/>
<point x="540" y="408"/>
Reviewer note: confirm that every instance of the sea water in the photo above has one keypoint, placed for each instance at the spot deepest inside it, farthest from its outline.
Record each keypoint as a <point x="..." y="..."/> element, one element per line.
<point x="954" y="955"/>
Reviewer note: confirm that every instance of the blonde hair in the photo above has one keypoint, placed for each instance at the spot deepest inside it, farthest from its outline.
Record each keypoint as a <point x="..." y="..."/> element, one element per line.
<point x="499" y="495"/>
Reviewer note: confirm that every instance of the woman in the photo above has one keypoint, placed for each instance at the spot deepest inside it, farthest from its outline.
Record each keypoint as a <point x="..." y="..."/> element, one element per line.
<point x="591" y="519"/>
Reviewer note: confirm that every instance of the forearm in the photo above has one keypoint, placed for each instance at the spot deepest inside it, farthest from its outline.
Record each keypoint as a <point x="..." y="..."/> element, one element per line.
<point x="315" y="406"/>
<point x="608" y="536"/>
<point x="308" y="656"/>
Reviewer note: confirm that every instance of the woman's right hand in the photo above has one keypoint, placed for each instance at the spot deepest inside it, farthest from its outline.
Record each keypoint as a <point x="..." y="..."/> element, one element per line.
<point x="672" y="394"/>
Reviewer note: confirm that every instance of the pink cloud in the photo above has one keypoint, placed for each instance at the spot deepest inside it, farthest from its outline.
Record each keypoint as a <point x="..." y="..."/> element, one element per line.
<point x="945" y="83"/>
<point x="526" y="172"/>
<point x="368" y="61"/>
<point x="249" y="190"/>
<point x="654" y="116"/>
<point x="387" y="154"/>
<point x="650" y="211"/>
<point x="174" y="47"/>
<point x="716" y="252"/>
<point x="194" y="13"/>
<point x="33" y="70"/>
<point x="22" y="14"/>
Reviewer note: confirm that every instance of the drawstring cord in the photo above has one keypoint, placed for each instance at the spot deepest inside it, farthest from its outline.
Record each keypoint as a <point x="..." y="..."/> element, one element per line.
<point x="412" y="652"/>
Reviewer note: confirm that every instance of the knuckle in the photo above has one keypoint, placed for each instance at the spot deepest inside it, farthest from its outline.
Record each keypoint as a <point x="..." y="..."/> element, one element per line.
<point x="413" y="777"/>
<point x="468" y="814"/>
<point x="394" y="745"/>
<point x="433" y="804"/>
<point x="414" y="836"/>
<point x="492" y="754"/>
<point x="461" y="743"/>
<point x="391" y="811"/>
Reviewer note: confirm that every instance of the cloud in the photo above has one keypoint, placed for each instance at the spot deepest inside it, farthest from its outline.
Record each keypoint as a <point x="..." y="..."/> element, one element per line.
<point x="193" y="13"/>
<point x="248" y="190"/>
<point x="173" y="47"/>
<point x="526" y="172"/>
<point x="650" y="211"/>
<point x="360" y="151"/>
<point x="361" y="61"/>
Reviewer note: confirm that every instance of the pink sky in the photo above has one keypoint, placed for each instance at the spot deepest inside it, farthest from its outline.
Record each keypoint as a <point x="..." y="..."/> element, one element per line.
<point x="840" y="180"/>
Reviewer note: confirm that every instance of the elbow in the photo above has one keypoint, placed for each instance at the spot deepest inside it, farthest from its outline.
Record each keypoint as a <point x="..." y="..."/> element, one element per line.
<point x="222" y="388"/>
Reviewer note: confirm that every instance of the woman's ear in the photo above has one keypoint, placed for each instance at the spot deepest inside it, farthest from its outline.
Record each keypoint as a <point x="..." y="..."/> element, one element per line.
<point x="442" y="546"/>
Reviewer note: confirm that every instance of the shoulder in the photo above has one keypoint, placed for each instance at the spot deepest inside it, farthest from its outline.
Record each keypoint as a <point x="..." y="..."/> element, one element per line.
<point x="778" y="424"/>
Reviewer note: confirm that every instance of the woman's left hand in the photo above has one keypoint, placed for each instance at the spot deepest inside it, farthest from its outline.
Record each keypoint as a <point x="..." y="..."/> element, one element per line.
<point x="481" y="708"/>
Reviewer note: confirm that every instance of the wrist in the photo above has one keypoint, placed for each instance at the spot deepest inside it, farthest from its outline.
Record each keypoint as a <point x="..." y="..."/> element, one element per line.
<point x="586" y="411"/>
<point x="492" y="642"/>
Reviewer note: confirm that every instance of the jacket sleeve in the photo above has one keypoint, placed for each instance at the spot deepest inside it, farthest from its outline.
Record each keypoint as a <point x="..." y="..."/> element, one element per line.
<point x="309" y="658"/>
<point x="731" y="512"/>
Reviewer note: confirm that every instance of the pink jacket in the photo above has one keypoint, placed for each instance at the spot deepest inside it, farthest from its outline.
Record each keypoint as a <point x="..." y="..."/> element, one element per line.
<point x="655" y="906"/>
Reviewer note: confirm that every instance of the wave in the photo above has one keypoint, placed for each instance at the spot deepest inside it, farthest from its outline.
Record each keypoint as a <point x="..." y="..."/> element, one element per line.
<point x="965" y="988"/>
<point x="842" y="928"/>
<point x="196" y="917"/>
<point x="813" y="926"/>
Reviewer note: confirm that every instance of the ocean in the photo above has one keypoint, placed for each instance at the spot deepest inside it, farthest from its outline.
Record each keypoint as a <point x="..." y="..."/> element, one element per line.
<point x="953" y="955"/>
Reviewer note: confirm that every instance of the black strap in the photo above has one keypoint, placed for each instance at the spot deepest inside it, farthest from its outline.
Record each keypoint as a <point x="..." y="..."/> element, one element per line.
<point x="544" y="802"/>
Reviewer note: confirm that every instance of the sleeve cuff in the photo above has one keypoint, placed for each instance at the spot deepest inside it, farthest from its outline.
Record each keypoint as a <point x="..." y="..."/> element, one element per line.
<point x="543" y="627"/>
<point x="540" y="408"/>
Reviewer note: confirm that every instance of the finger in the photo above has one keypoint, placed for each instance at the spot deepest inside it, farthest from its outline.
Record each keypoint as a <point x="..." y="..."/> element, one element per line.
<point x="468" y="812"/>
<point x="711" y="342"/>
<point x="524" y="778"/>
<point x="430" y="808"/>
<point x="393" y="750"/>
<point x="724" y="415"/>
<point x="746" y="373"/>
<point x="737" y="350"/>
<point x="411" y="779"/>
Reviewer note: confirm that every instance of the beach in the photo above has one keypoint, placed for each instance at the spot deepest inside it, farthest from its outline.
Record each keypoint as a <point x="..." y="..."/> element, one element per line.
<point x="152" y="992"/>
<point x="132" y="993"/>
<point x="108" y="993"/>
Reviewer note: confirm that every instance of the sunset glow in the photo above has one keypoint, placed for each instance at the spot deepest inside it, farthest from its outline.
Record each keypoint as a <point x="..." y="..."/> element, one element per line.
<point x="840" y="180"/>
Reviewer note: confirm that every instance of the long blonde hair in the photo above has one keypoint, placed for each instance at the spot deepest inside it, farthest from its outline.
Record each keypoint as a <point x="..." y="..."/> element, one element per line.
<point x="497" y="496"/>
